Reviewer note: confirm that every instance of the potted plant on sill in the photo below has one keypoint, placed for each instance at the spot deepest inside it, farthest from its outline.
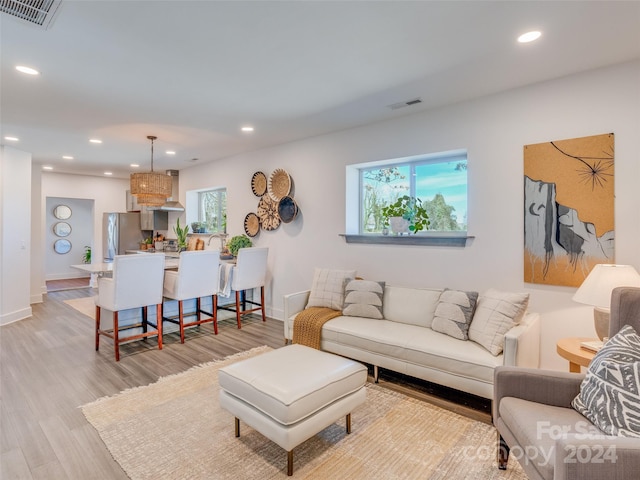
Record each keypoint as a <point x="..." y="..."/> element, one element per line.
<point x="238" y="242"/>
<point x="181" y="234"/>
<point x="405" y="215"/>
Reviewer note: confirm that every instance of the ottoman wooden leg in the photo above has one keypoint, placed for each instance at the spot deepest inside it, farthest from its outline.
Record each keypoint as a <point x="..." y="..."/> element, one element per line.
<point x="290" y="462"/>
<point x="237" y="427"/>
<point x="348" y="423"/>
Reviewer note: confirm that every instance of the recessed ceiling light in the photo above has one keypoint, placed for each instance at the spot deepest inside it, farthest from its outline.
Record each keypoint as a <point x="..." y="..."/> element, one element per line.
<point x="134" y="165"/>
<point x="247" y="129"/>
<point x="108" y="173"/>
<point x="529" y="36"/>
<point x="27" y="70"/>
<point x="67" y="157"/>
<point x="12" y="139"/>
<point x="170" y="152"/>
<point x="47" y="167"/>
<point x="95" y="140"/>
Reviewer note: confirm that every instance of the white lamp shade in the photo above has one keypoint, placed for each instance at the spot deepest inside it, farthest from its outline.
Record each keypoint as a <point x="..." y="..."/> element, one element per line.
<point x="596" y="288"/>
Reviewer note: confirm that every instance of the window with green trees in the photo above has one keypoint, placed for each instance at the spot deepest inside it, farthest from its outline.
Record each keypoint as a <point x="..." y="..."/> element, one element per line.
<point x="439" y="181"/>
<point x="212" y="209"/>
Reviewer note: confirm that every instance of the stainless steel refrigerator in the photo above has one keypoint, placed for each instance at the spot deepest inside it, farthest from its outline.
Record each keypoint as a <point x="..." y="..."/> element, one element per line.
<point x="120" y="232"/>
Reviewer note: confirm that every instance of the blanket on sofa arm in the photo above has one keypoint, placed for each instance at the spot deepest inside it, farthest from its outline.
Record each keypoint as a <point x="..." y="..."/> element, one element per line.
<point x="307" y="327"/>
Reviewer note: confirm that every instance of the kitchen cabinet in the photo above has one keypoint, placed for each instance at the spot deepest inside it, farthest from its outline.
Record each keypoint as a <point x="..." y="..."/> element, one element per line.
<point x="153" y="219"/>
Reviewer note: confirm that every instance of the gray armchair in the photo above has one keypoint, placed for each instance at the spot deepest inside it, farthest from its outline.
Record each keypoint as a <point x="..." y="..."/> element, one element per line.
<point x="535" y="422"/>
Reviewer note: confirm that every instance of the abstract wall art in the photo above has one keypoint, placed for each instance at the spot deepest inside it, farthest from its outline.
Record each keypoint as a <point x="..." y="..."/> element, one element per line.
<point x="568" y="209"/>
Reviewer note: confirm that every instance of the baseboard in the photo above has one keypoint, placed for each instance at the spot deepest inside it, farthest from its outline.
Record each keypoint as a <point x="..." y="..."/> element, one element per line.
<point x="15" y="316"/>
<point x="36" y="298"/>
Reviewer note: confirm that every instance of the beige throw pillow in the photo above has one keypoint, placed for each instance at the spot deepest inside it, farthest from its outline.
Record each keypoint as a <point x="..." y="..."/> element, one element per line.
<point x="496" y="313"/>
<point x="327" y="289"/>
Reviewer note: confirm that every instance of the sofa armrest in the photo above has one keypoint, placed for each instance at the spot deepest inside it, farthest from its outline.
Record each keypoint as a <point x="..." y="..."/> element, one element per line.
<point x="596" y="457"/>
<point x="548" y="387"/>
<point x="294" y="303"/>
<point x="522" y="343"/>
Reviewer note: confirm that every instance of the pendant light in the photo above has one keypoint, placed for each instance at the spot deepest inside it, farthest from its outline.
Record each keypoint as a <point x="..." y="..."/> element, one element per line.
<point x="150" y="188"/>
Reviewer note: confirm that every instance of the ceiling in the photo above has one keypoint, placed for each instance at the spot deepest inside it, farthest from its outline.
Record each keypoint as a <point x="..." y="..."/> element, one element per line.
<point x="193" y="73"/>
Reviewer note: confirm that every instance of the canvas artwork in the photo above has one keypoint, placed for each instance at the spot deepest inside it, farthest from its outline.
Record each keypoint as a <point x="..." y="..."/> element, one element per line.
<point x="568" y="209"/>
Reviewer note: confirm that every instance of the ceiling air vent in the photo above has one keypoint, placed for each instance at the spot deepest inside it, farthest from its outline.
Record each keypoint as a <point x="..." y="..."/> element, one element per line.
<point x="34" y="12"/>
<point x="407" y="103"/>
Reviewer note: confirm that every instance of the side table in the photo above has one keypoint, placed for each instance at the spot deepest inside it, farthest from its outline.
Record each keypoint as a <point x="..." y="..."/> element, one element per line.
<point x="569" y="348"/>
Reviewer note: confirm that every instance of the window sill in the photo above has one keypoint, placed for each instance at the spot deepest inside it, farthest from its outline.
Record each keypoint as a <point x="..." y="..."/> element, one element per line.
<point x="424" y="240"/>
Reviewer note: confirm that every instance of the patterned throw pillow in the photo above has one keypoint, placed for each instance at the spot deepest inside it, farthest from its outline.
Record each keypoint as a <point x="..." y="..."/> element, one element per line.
<point x="454" y="312"/>
<point x="497" y="312"/>
<point x="363" y="298"/>
<point x="327" y="289"/>
<point x="610" y="392"/>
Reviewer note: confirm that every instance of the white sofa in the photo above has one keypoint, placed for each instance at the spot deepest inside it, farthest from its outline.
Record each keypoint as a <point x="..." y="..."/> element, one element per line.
<point x="404" y="342"/>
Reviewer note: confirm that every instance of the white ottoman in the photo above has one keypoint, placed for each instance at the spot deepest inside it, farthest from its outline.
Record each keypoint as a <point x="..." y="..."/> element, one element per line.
<point x="292" y="393"/>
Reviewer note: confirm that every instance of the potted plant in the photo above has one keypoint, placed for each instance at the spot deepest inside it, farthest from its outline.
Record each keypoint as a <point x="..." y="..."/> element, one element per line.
<point x="181" y="234"/>
<point x="238" y="242"/>
<point x="198" y="227"/>
<point x="86" y="257"/>
<point x="406" y="214"/>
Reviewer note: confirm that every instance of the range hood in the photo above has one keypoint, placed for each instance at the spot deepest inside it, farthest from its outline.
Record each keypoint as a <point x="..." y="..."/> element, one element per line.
<point x="172" y="205"/>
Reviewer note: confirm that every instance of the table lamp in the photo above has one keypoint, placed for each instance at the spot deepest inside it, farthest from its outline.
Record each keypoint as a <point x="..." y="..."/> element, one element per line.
<point x="596" y="290"/>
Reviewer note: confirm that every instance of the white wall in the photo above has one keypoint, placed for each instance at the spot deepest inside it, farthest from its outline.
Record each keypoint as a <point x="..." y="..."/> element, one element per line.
<point x="494" y="130"/>
<point x="108" y="194"/>
<point x="58" y="266"/>
<point x="15" y="236"/>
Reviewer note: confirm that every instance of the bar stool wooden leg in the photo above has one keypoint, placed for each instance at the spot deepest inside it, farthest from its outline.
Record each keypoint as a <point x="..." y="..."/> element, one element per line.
<point x="159" y="324"/>
<point x="264" y="317"/>
<point x="97" y="327"/>
<point x="181" y="320"/>
<point x="214" y="303"/>
<point x="238" y="309"/>
<point x="116" y="339"/>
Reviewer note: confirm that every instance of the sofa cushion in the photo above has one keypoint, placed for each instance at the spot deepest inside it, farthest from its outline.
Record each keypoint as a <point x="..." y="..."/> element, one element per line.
<point x="454" y="312"/>
<point x="496" y="313"/>
<point x="610" y="392"/>
<point x="363" y="298"/>
<point x="327" y="289"/>
<point x="408" y="343"/>
<point x="413" y="306"/>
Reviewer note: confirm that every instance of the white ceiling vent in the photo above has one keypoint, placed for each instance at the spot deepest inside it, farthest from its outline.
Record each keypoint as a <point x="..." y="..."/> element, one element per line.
<point x="408" y="103"/>
<point x="34" y="12"/>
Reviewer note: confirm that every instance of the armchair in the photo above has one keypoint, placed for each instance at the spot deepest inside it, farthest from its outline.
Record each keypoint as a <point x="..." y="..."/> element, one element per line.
<point x="534" y="419"/>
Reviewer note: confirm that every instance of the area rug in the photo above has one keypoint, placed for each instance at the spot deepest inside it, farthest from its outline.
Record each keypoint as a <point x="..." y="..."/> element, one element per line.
<point x="85" y="305"/>
<point x="175" y="429"/>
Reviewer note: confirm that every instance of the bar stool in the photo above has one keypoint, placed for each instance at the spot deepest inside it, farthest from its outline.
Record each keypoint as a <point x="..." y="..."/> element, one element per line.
<point x="198" y="276"/>
<point x="136" y="283"/>
<point x="250" y="272"/>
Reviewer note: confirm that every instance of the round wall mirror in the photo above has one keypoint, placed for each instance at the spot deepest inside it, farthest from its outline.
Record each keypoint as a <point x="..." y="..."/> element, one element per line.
<point x="62" y="212"/>
<point x="62" y="246"/>
<point x="62" y="229"/>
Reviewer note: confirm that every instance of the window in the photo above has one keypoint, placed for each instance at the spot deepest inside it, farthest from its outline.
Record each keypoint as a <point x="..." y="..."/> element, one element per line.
<point x="439" y="181"/>
<point x="212" y="209"/>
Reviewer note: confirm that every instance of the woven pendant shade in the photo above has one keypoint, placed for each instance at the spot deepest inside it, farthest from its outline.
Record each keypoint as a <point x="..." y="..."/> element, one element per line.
<point x="150" y="188"/>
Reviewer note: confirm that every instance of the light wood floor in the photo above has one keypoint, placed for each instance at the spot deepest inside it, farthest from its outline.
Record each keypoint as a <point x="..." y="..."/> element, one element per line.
<point x="49" y="368"/>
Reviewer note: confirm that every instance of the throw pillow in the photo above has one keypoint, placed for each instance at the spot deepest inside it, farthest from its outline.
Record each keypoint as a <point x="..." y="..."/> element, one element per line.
<point x="363" y="298"/>
<point x="327" y="289"/>
<point x="454" y="312"/>
<point x="495" y="314"/>
<point x="610" y="392"/>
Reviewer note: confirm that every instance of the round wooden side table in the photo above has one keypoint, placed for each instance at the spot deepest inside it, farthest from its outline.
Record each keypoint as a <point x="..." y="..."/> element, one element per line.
<point x="570" y="349"/>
